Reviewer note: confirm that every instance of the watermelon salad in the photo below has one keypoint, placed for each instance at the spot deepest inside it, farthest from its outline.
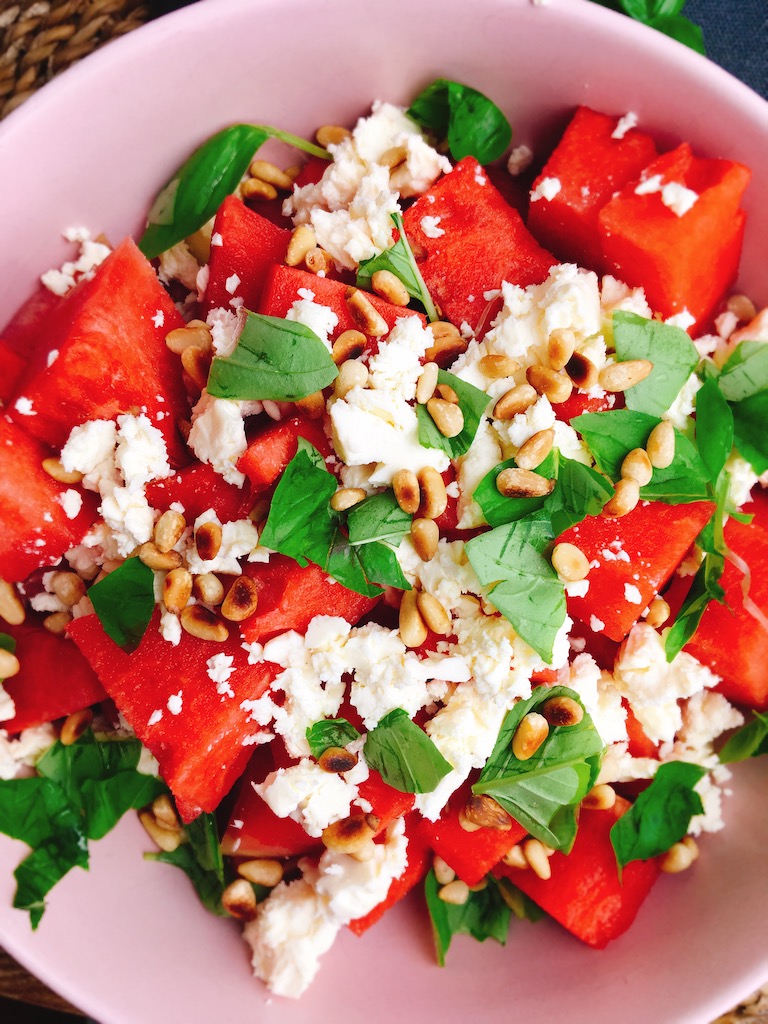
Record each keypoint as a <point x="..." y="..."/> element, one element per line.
<point x="391" y="520"/>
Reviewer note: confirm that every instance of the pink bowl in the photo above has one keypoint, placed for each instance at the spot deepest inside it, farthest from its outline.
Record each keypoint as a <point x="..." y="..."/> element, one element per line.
<point x="128" y="942"/>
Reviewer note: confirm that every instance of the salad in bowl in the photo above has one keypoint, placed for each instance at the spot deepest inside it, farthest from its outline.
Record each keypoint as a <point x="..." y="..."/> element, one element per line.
<point x="392" y="507"/>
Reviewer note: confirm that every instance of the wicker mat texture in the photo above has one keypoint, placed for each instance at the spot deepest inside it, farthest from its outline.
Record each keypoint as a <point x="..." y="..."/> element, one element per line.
<point x="40" y="38"/>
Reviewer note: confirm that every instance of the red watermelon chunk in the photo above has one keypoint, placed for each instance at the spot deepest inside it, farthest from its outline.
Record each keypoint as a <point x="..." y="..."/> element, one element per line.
<point x="11" y="368"/>
<point x="26" y="327"/>
<point x="270" y="451"/>
<point x="109" y="333"/>
<point x="35" y="529"/>
<point x="250" y="245"/>
<point x="484" y="243"/>
<point x="199" y="487"/>
<point x="41" y="690"/>
<point x="201" y="737"/>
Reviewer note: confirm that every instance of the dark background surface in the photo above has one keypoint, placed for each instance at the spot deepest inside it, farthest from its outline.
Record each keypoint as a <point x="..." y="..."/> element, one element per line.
<point x="736" y="37"/>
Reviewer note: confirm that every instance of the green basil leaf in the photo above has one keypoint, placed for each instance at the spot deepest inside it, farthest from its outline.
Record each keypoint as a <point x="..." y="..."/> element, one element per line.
<point x="275" y="360"/>
<point x="331" y="732"/>
<point x="201" y="861"/>
<point x="7" y="642"/>
<point x="579" y="492"/>
<point x="204" y="841"/>
<point x="299" y="523"/>
<point x="202" y="183"/>
<point x="669" y="348"/>
<point x="682" y="29"/>
<point x="471" y="123"/>
<point x="400" y="261"/>
<point x="745" y="372"/>
<point x="403" y="754"/>
<point x="32" y="810"/>
<point x="714" y="428"/>
<point x="750" y="741"/>
<point x="750" y="437"/>
<point x="472" y="402"/>
<point x="660" y="816"/>
<point x="705" y="588"/>
<point x="381" y="566"/>
<point x="521" y="905"/>
<point x="497" y="509"/>
<point x="39" y="872"/>
<point x="345" y="565"/>
<point x="612" y="435"/>
<point x="124" y="602"/>
<point x="485" y="915"/>
<point x="378" y="518"/>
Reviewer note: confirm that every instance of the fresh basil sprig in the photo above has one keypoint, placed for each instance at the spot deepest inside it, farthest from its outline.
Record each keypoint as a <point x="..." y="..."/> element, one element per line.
<point x="750" y="741"/>
<point x="202" y="183"/>
<point x="201" y="860"/>
<point x="669" y="348"/>
<point x="400" y="261"/>
<point x="330" y="732"/>
<point x="403" y="754"/>
<point x="124" y="602"/>
<point x="472" y="402"/>
<point x="81" y="792"/>
<point x="664" y="16"/>
<point x="274" y="359"/>
<point x="471" y="123"/>
<point x="660" y="816"/>
<point x="743" y="382"/>
<point x="543" y="793"/>
<point x="484" y="915"/>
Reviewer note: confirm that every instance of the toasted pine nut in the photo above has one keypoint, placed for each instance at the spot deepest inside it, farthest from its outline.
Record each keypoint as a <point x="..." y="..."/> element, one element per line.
<point x="302" y="241"/>
<point x="529" y="735"/>
<point x="560" y="347"/>
<point x="351" y="834"/>
<point x="208" y="540"/>
<point x="427" y="382"/>
<point x="184" y="427"/>
<point x="393" y="157"/>
<point x="313" y="405"/>
<point x="390" y="287"/>
<point x="337" y="760"/>
<point x="661" y="445"/>
<point x="74" y="726"/>
<point x="11" y="608"/>
<point x="165" y="813"/>
<point x="515" y="401"/>
<point x="600" y="798"/>
<point x="466" y="824"/>
<point x="497" y="367"/>
<point x="348" y="345"/>
<point x="561" y="711"/>
<point x="197" y="334"/>
<point x="239" y="900"/>
<point x="169" y="529"/>
<point x="151" y="556"/>
<point x="434" y="614"/>
<point x="177" y="590"/>
<point x="582" y="371"/>
<point x="68" y="587"/>
<point x="197" y="364"/>
<point x="241" y="601"/>
<point x="569" y="562"/>
<point x="57" y="622"/>
<point x="532" y="453"/>
<point x="425" y="535"/>
<point x="625" y="498"/>
<point x="200" y="622"/>
<point x="678" y="857"/>
<point x="255" y="188"/>
<point x="331" y="135"/>
<point x="405" y="484"/>
<point x="555" y="386"/>
<point x="271" y="173"/>
<point x="9" y="664"/>
<point x="434" y="498"/>
<point x="621" y="376"/>
<point x="538" y="860"/>
<point x="448" y="418"/>
<point x="347" y="497"/>
<point x="515" y="858"/>
<point x="637" y="466"/>
<point x="352" y="374"/>
<point x="523" y="483"/>
<point x="456" y="893"/>
<point x="54" y="468"/>
<point x="447" y="393"/>
<point x="742" y="307"/>
<point x="448" y="343"/>
<point x="261" y="871"/>
<point x="318" y="261"/>
<point x="208" y="589"/>
<point x="365" y="314"/>
<point x="413" y="629"/>
<point x="444" y="873"/>
<point x="167" y="839"/>
<point x="690" y="843"/>
<point x="658" y="612"/>
<point x="487" y="813"/>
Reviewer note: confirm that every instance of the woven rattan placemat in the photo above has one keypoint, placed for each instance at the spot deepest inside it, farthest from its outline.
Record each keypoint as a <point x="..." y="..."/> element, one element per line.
<point x="40" y="38"/>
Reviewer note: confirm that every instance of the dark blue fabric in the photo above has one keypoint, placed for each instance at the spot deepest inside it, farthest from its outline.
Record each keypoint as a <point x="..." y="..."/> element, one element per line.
<point x="736" y="37"/>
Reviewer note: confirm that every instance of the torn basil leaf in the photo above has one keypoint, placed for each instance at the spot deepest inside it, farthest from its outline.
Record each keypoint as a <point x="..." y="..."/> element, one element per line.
<point x="400" y="261"/>
<point x="378" y="518"/>
<point x="403" y="754"/>
<point x="485" y="915"/>
<point x="330" y="732"/>
<point x="124" y="602"/>
<point x="705" y="588"/>
<point x="472" y="402"/>
<point x="751" y="740"/>
<point x="201" y="861"/>
<point x="749" y="434"/>
<point x="669" y="348"/>
<point x="745" y="373"/>
<point x="499" y="510"/>
<point x="714" y="428"/>
<point x="471" y="123"/>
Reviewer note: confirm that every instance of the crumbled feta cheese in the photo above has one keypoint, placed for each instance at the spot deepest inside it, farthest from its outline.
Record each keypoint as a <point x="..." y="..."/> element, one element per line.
<point x="601" y="698"/>
<point x="178" y="264"/>
<point x="595" y="624"/>
<point x="741" y="480"/>
<point x="624" y="125"/>
<point x="684" y="320"/>
<point x="674" y="196"/>
<point x="220" y="669"/>
<point x="90" y="450"/>
<point x="683" y="405"/>
<point x="175" y="703"/>
<point x="155" y="717"/>
<point x="158" y="318"/>
<point x="397" y="365"/>
<point x="311" y="796"/>
<point x="632" y="594"/>
<point x="431" y="227"/>
<point x="519" y="160"/>
<point x="318" y="318"/>
<point x="484" y="454"/>
<point x="218" y="436"/>
<point x="170" y="628"/>
<point x="238" y="539"/>
<point x="25" y="750"/>
<point x="24" y="406"/>
<point x="71" y="501"/>
<point x="91" y="255"/>
<point x="547" y="188"/>
<point x="225" y="330"/>
<point x="141" y="455"/>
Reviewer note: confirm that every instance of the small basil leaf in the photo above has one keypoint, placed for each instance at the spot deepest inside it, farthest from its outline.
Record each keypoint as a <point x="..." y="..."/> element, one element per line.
<point x="299" y="523"/>
<point x="521" y="905"/>
<point x="378" y="518"/>
<point x="660" y="816"/>
<point x="682" y="29"/>
<point x="750" y="438"/>
<point x="403" y="754"/>
<point x="331" y="732"/>
<point x="714" y="428"/>
<point x="124" y="602"/>
<point x="750" y="741"/>
<point x="345" y="565"/>
<point x="669" y="348"/>
<point x="472" y="402"/>
<point x="276" y="360"/>
<point x="484" y="915"/>
<point x="7" y="643"/>
<point x="705" y="588"/>
<point x="745" y="372"/>
<point x="499" y="510"/>
<point x="471" y="123"/>
<point x="381" y="566"/>
<point x="400" y="261"/>
<point x="39" y="872"/>
<point x="579" y="492"/>
<point x="201" y="861"/>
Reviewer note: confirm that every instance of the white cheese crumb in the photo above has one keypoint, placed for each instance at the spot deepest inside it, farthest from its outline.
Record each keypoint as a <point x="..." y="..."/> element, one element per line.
<point x="159" y="318"/>
<point x="232" y="283"/>
<point x="72" y="502"/>
<point x="175" y="703"/>
<point x="431" y="227"/>
<point x="216" y="239"/>
<point x="632" y="594"/>
<point x="674" y="196"/>
<point x="546" y="189"/>
<point x="519" y="160"/>
<point x="155" y="717"/>
<point x="24" y="406"/>
<point x="51" y="358"/>
<point x="595" y="624"/>
<point x="624" y="125"/>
